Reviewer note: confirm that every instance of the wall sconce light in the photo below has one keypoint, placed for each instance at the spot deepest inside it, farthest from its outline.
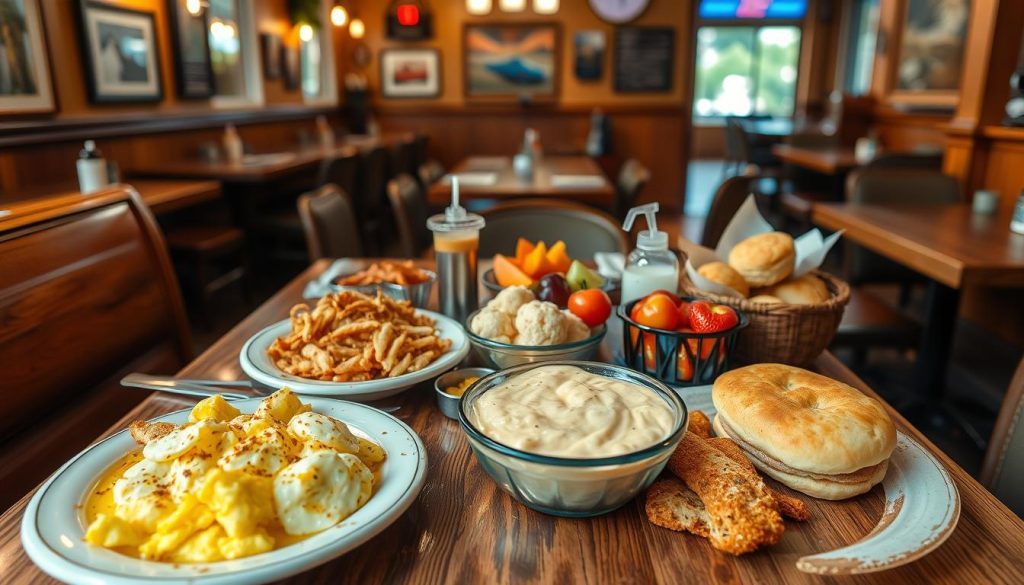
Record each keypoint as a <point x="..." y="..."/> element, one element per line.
<point x="194" y="7"/>
<point x="356" y="28"/>
<point x="512" y="5"/>
<point x="305" y="33"/>
<point x="339" y="16"/>
<point x="545" y="6"/>
<point x="478" y="7"/>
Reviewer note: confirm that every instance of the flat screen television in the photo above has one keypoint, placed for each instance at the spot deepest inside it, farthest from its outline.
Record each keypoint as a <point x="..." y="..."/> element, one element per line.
<point x="753" y="9"/>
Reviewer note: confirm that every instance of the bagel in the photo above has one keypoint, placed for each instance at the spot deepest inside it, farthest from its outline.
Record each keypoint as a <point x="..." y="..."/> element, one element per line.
<point x="764" y="259"/>
<point x="722" y="273"/>
<point x="809" y="432"/>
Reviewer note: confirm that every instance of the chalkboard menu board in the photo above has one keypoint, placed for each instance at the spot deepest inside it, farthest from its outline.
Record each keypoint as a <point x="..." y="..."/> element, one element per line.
<point x="643" y="58"/>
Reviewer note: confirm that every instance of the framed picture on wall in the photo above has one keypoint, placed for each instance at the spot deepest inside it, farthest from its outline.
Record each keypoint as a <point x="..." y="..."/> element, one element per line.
<point x="192" y="69"/>
<point x="589" y="46"/>
<point x="410" y="73"/>
<point x="930" y="49"/>
<point x="271" y="48"/>
<point x="24" y="66"/>
<point x="122" y="63"/>
<point x="511" y="60"/>
<point x="291" y="59"/>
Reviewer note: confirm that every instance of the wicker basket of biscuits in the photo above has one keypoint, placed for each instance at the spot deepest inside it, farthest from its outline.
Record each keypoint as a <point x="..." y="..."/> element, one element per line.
<point x="793" y="318"/>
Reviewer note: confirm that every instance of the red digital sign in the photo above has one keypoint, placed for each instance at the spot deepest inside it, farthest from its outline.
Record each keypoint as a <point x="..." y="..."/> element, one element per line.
<point x="408" y="14"/>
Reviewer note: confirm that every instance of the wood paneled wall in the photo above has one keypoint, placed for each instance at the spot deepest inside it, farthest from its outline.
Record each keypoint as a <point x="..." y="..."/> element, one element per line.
<point x="53" y="160"/>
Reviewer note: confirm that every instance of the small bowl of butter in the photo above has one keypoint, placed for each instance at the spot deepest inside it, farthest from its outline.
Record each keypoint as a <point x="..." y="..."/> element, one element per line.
<point x="573" y="439"/>
<point x="451" y="386"/>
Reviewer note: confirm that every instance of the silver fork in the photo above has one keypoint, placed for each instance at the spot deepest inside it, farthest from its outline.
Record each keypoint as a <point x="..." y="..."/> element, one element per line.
<point x="206" y="388"/>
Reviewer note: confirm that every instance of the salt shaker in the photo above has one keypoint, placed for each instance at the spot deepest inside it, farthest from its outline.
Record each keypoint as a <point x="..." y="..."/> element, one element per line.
<point x="456" y="241"/>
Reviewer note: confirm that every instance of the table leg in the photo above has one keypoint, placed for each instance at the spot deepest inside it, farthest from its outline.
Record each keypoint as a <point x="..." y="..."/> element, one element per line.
<point x="941" y="308"/>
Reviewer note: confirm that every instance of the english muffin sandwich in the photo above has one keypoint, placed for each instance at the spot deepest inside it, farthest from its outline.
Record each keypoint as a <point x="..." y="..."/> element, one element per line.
<point x="809" y="432"/>
<point x="764" y="259"/>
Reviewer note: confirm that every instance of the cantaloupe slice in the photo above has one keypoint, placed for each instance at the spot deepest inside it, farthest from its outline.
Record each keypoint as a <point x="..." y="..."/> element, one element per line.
<point x="536" y="262"/>
<point x="508" y="274"/>
<point x="558" y="259"/>
<point x="523" y="247"/>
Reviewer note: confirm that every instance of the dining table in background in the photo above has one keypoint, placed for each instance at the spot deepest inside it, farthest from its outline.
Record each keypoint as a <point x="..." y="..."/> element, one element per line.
<point x="952" y="246"/>
<point x="464" y="529"/>
<point x="492" y="177"/>
<point x="161" y="195"/>
<point x="773" y="129"/>
<point x="827" y="160"/>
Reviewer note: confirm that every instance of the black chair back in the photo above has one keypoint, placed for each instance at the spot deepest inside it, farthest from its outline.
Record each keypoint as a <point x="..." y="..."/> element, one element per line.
<point x="583" y="229"/>
<point x="728" y="198"/>
<point x="329" y="223"/>
<point x="410" y="210"/>
<point x="632" y="179"/>
<point x="341" y="170"/>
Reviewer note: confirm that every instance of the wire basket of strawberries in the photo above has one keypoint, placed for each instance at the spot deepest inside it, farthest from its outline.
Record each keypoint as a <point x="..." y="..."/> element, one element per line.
<point x="681" y="341"/>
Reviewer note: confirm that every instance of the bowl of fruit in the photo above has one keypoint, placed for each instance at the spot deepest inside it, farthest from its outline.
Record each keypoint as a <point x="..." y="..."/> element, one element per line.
<point x="547" y="271"/>
<point x="681" y="341"/>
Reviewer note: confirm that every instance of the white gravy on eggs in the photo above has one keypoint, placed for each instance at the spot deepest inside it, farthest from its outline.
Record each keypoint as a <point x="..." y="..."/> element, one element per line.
<point x="564" y="411"/>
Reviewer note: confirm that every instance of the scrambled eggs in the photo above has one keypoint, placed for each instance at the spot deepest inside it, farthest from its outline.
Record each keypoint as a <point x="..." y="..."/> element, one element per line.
<point x="228" y="485"/>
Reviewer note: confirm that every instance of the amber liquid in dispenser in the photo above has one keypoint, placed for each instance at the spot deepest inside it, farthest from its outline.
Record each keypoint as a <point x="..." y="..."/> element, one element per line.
<point x="456" y="241"/>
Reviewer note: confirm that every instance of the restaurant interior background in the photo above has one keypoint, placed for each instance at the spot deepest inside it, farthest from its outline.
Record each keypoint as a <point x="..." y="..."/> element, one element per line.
<point x="835" y="72"/>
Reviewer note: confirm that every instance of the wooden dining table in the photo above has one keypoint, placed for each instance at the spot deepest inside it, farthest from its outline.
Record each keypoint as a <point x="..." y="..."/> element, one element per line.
<point x="950" y="245"/>
<point x="464" y="529"/>
<point x="161" y="195"/>
<point x="492" y="177"/>
<point x="827" y="160"/>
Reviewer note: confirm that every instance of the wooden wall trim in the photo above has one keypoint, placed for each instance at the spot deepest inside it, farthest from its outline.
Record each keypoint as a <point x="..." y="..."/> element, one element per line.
<point x="481" y="109"/>
<point x="34" y="132"/>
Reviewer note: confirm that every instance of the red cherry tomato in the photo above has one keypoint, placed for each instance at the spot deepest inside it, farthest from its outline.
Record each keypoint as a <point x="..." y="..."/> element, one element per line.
<point x="684" y="314"/>
<point x="671" y="295"/>
<point x="659" y="311"/>
<point x="591" y="305"/>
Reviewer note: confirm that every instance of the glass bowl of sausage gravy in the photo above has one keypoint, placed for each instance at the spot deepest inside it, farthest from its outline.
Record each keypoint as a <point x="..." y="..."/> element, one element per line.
<point x="573" y="439"/>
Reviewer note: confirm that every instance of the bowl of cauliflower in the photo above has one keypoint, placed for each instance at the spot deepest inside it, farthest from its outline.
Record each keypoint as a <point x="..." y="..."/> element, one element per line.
<point x="515" y="328"/>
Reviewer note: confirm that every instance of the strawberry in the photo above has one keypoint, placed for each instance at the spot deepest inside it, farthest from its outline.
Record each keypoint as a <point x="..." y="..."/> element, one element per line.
<point x="708" y="318"/>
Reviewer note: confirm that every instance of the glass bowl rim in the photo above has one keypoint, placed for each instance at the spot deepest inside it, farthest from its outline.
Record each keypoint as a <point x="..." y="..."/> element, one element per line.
<point x="656" y="386"/>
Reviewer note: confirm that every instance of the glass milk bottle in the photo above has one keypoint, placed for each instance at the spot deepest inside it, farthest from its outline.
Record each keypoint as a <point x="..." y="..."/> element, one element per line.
<point x="651" y="265"/>
<point x="456" y="240"/>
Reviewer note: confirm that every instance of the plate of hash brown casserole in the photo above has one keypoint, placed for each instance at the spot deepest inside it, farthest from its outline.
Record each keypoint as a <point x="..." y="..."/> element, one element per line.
<point x="354" y="346"/>
<point x="243" y="491"/>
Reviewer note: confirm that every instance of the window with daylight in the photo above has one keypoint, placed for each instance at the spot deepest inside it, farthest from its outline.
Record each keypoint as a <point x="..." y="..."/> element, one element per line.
<point x="232" y="54"/>
<point x="862" y="35"/>
<point x="316" y="61"/>
<point x="746" y="70"/>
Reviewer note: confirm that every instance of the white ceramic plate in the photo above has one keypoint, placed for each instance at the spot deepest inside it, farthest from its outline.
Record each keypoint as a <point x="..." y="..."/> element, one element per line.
<point x="922" y="506"/>
<point x="258" y="366"/>
<point x="54" y="523"/>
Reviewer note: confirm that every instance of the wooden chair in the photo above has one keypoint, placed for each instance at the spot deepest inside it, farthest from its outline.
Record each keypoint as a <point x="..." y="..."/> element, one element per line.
<point x="329" y="222"/>
<point x="209" y="259"/>
<point x="419" y="151"/>
<point x="369" y="198"/>
<point x="633" y="177"/>
<point x="402" y="157"/>
<point x="1003" y="469"/>
<point x="87" y="295"/>
<point x="341" y="170"/>
<point x="409" y="206"/>
<point x="583" y="229"/>
<point x="727" y="200"/>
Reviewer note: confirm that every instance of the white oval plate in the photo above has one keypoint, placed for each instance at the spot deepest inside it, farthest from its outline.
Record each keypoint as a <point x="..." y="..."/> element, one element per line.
<point x="257" y="365"/>
<point x="53" y="527"/>
<point x="922" y="506"/>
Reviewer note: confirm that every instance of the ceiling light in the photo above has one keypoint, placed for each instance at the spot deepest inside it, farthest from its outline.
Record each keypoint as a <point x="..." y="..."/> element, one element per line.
<point x="545" y="6"/>
<point x="194" y="7"/>
<point x="306" y="33"/>
<point x="339" y="16"/>
<point x="512" y="5"/>
<point x="356" y="28"/>
<point x="478" y="7"/>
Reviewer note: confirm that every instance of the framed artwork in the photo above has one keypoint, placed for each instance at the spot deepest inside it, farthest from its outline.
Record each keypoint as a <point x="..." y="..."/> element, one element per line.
<point x="122" y="63"/>
<point x="511" y="60"/>
<point x="291" y="58"/>
<point x="410" y="73"/>
<point x="24" y="67"/>
<point x="930" y="48"/>
<point x="589" y="62"/>
<point x="270" y="45"/>
<point x="192" y="69"/>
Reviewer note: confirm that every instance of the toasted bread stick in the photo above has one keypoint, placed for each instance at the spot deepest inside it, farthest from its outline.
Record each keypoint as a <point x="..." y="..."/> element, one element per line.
<point x="699" y="424"/>
<point x="790" y="506"/>
<point x="670" y="504"/>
